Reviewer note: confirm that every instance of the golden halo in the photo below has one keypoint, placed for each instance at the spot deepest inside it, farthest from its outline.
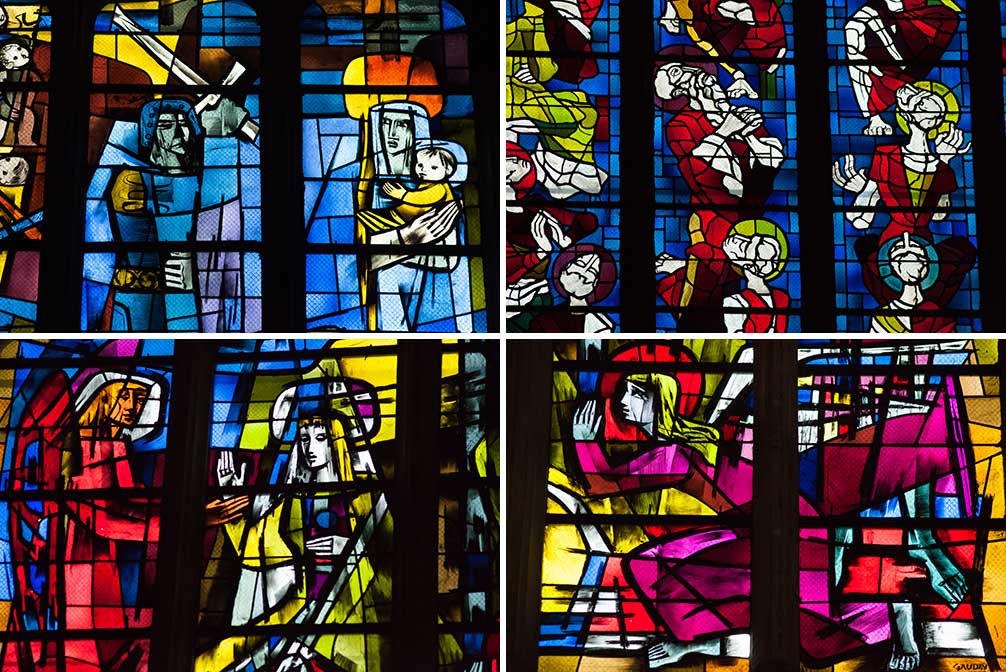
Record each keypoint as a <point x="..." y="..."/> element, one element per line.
<point x="953" y="114"/>
<point x="764" y="227"/>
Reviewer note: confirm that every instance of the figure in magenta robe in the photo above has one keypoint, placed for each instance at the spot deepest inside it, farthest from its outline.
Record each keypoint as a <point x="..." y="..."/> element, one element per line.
<point x="110" y="546"/>
<point x="695" y="584"/>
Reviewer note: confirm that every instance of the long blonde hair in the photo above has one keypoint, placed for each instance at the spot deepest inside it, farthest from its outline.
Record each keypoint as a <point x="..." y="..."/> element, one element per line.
<point x="337" y="440"/>
<point x="95" y="416"/>
<point x="668" y="424"/>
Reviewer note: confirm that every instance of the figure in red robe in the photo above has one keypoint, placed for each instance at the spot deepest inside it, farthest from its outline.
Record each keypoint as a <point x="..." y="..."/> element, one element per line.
<point x="103" y="576"/>
<point x="722" y="28"/>
<point x="729" y="161"/>
<point x="913" y="34"/>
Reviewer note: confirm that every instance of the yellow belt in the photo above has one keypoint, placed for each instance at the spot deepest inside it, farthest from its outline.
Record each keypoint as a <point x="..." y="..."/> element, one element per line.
<point x="138" y="279"/>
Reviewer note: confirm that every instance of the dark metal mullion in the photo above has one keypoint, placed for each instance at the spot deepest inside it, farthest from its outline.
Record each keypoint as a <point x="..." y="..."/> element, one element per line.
<point x="775" y="607"/>
<point x="985" y="72"/>
<point x="61" y="262"/>
<point x="283" y="228"/>
<point x="485" y="96"/>
<point x="637" y="255"/>
<point x="814" y="193"/>
<point x="528" y="432"/>
<point x="183" y="508"/>
<point x="413" y="507"/>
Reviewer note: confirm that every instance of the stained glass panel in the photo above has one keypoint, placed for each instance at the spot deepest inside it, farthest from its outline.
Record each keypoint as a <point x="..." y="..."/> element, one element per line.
<point x="905" y="231"/>
<point x="901" y="502"/>
<point x="173" y="215"/>
<point x="25" y="39"/>
<point x="390" y="161"/>
<point x="299" y="535"/>
<point x="469" y="508"/>
<point x="83" y="448"/>
<point x="562" y="166"/>
<point x="725" y="167"/>
<point x="647" y="540"/>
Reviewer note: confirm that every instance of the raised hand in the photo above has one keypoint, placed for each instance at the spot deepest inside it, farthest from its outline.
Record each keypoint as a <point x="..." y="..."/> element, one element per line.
<point x="752" y="118"/>
<point x="586" y="422"/>
<point x="524" y="75"/>
<point x="226" y="475"/>
<point x="846" y="176"/>
<point x="178" y="272"/>
<point x="733" y="123"/>
<point x="738" y="10"/>
<point x="950" y="144"/>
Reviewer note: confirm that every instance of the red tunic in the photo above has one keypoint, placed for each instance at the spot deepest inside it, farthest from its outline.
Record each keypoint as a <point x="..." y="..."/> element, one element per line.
<point x="763" y="323"/>
<point x="891" y="175"/>
<point x="714" y="276"/>
<point x="92" y="528"/>
<point x="684" y="133"/>
<point x="921" y="33"/>
<point x="762" y="40"/>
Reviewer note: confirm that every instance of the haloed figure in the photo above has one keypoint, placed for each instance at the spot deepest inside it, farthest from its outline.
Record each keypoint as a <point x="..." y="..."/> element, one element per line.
<point x="758" y="248"/>
<point x="915" y="173"/>
<point x="583" y="274"/>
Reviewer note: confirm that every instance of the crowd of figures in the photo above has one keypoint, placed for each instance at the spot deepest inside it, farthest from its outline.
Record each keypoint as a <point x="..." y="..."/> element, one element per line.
<point x="729" y="155"/>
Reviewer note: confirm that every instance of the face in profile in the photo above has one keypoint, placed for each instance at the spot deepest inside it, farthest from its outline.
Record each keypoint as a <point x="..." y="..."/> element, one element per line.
<point x="128" y="404"/>
<point x="635" y="406"/>
<point x="757" y="254"/>
<point x="921" y="108"/>
<point x="315" y="446"/>
<point x="396" y="132"/>
<point x="580" y="277"/>
<point x="516" y="169"/>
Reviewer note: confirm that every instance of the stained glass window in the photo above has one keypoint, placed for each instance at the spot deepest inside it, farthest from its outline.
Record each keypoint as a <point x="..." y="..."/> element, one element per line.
<point x="391" y="162"/>
<point x="905" y="230"/>
<point x="249" y="506"/>
<point x="647" y="526"/>
<point x="725" y="170"/>
<point x="173" y="215"/>
<point x="84" y="451"/>
<point x="901" y="503"/>
<point x="300" y="540"/>
<point x="881" y="233"/>
<point x="562" y="165"/>
<point x="25" y="39"/>
<point x="469" y="508"/>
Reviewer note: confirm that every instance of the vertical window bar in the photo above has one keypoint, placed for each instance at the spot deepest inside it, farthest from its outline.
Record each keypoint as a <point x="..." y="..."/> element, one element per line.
<point x="817" y="234"/>
<point x="183" y="508"/>
<point x="284" y="233"/>
<point x="414" y="507"/>
<point x="528" y="432"/>
<point x="775" y="609"/>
